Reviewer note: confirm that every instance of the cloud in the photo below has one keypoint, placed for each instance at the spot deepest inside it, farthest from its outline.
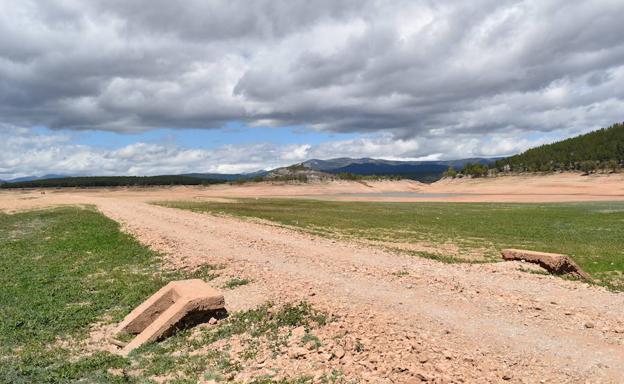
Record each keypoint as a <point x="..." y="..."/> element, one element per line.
<point x="402" y="67"/>
<point x="417" y="78"/>
<point x="27" y="153"/>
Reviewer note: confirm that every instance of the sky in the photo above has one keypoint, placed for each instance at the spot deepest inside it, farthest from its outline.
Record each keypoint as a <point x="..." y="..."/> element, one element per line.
<point x="144" y="87"/>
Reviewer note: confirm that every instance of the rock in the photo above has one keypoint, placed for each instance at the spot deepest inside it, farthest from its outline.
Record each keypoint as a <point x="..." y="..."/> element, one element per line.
<point x="589" y="324"/>
<point x="339" y="352"/>
<point x="507" y="377"/>
<point x="297" y="352"/>
<point x="298" y="332"/>
<point x="325" y="356"/>
<point x="116" y="371"/>
<point x="553" y="262"/>
<point x="212" y="321"/>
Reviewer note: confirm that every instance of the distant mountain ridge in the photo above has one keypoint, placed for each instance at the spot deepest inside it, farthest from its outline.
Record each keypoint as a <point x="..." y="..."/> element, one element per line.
<point x="340" y="162"/>
<point x="33" y="178"/>
<point x="426" y="171"/>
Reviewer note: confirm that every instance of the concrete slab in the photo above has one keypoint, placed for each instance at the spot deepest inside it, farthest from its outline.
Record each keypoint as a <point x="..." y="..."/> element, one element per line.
<point x="176" y="305"/>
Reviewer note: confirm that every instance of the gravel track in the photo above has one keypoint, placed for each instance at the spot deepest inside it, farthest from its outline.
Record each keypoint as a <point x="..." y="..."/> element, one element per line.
<point x="439" y="322"/>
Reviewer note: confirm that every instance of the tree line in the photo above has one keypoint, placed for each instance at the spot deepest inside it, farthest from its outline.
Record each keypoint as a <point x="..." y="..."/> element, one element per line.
<point x="111" y="181"/>
<point x="599" y="150"/>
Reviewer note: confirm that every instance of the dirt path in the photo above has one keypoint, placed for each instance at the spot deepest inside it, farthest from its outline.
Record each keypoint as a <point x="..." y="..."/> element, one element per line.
<point x="410" y="318"/>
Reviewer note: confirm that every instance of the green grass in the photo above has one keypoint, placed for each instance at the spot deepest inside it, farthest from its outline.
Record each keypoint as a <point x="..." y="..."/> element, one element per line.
<point x="66" y="269"/>
<point x="60" y="271"/>
<point x="591" y="233"/>
<point x="235" y="282"/>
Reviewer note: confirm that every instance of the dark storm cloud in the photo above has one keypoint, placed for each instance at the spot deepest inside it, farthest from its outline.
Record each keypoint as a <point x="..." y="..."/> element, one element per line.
<point x="411" y="69"/>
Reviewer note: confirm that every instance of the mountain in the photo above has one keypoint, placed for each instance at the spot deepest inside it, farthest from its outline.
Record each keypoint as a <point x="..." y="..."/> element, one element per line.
<point x="426" y="171"/>
<point x="603" y="149"/>
<point x="342" y="162"/>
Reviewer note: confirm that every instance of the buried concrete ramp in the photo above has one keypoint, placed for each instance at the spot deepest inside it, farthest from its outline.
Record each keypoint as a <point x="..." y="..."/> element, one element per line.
<point x="177" y="304"/>
<point x="553" y="262"/>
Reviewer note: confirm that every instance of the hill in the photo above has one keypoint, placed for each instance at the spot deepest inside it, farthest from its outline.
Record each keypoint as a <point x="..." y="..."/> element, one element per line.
<point x="425" y="171"/>
<point x="111" y="181"/>
<point x="601" y="149"/>
<point x="297" y="172"/>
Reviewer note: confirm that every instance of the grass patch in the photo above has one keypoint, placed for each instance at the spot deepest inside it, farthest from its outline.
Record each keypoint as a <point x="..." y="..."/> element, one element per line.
<point x="61" y="271"/>
<point x="235" y="282"/>
<point x="591" y="233"/>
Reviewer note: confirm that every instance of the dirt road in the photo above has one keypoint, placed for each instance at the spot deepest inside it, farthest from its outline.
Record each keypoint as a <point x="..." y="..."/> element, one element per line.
<point x="413" y="318"/>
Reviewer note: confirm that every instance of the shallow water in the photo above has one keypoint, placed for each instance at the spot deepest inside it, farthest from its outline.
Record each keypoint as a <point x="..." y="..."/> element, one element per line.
<point x="397" y="194"/>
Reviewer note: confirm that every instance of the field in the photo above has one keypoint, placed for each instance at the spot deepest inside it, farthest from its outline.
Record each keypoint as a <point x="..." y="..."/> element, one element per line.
<point x="70" y="272"/>
<point x="318" y="289"/>
<point x="591" y="233"/>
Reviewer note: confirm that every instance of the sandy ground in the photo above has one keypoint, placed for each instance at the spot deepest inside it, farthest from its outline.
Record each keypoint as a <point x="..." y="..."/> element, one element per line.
<point x="564" y="187"/>
<point x="400" y="318"/>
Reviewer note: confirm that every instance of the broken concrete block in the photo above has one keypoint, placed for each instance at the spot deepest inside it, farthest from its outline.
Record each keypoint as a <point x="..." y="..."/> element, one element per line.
<point x="553" y="262"/>
<point x="177" y="304"/>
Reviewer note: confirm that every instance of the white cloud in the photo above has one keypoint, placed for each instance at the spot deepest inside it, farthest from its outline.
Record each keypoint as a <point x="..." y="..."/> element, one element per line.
<point x="413" y="78"/>
<point x="404" y="67"/>
<point x="28" y="153"/>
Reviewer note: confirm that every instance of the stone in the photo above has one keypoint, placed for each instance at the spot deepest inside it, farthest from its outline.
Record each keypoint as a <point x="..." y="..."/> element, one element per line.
<point x="297" y="353"/>
<point x="178" y="304"/>
<point x="325" y="356"/>
<point x="298" y="333"/>
<point x="589" y="324"/>
<point x="553" y="262"/>
<point x="339" y="352"/>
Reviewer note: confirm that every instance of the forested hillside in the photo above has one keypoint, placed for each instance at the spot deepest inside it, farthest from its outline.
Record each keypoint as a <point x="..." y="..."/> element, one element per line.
<point x="111" y="181"/>
<point x="601" y="149"/>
